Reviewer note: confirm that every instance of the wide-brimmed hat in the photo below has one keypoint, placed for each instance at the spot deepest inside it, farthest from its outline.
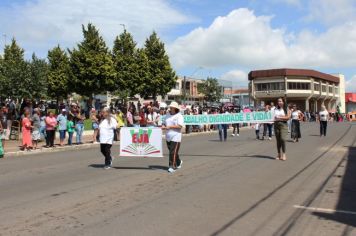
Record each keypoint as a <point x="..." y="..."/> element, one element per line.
<point x="174" y="105"/>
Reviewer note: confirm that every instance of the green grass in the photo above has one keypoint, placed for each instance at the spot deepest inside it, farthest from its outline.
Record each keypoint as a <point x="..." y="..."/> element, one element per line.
<point x="88" y="124"/>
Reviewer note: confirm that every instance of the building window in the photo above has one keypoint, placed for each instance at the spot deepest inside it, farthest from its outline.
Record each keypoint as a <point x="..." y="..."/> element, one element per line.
<point x="323" y="88"/>
<point x="336" y="90"/>
<point x="330" y="89"/>
<point x="317" y="87"/>
<point x="269" y="86"/>
<point x="298" y="86"/>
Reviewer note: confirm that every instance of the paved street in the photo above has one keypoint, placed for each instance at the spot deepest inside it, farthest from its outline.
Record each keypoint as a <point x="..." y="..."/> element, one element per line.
<point x="232" y="188"/>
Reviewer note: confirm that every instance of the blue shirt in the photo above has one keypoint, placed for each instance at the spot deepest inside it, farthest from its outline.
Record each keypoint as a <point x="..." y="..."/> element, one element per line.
<point x="62" y="120"/>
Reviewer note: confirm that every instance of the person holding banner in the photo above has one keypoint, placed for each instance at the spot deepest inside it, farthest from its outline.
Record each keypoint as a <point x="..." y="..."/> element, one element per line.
<point x="173" y="124"/>
<point x="222" y="127"/>
<point x="107" y="128"/>
<point x="281" y="116"/>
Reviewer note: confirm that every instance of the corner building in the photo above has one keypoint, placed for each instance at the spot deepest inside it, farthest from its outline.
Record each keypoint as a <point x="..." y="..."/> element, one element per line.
<point x="309" y="89"/>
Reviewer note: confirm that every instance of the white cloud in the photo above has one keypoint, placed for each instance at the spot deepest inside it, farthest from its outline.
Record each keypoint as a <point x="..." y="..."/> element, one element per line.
<point x="351" y="85"/>
<point x="331" y="12"/>
<point x="243" y="39"/>
<point x="40" y="25"/>
<point x="237" y="77"/>
<point x="290" y="2"/>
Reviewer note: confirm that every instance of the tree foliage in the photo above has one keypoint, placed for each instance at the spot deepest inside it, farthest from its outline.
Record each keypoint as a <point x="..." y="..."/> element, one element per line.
<point x="91" y="64"/>
<point x="211" y="89"/>
<point x="38" y="77"/>
<point x="162" y="78"/>
<point x="130" y="64"/>
<point x="16" y="73"/>
<point x="59" y="73"/>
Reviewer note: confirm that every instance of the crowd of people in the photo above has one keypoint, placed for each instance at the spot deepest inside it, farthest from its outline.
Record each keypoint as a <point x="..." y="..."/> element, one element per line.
<point x="39" y="122"/>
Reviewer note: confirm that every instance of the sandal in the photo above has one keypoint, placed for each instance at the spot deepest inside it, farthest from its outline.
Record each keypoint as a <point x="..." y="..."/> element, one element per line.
<point x="284" y="158"/>
<point x="278" y="157"/>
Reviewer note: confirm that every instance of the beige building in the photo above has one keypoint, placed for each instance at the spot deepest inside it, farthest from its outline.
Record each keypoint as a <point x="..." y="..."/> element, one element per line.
<point x="185" y="91"/>
<point x="309" y="89"/>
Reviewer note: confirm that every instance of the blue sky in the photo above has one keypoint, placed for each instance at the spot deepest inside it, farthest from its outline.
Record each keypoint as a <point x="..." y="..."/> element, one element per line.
<point x="225" y="38"/>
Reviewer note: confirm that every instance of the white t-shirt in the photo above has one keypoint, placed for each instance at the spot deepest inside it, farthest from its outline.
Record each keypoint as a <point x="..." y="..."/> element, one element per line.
<point x="107" y="130"/>
<point x="152" y="117"/>
<point x="278" y="113"/>
<point x="295" y="115"/>
<point x="323" y="115"/>
<point x="174" y="135"/>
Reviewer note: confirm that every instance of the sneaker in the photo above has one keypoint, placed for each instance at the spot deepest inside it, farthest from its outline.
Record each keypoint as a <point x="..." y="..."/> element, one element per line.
<point x="237" y="135"/>
<point x="171" y="170"/>
<point x="269" y="138"/>
<point x="107" y="167"/>
<point x="180" y="165"/>
<point x="233" y="135"/>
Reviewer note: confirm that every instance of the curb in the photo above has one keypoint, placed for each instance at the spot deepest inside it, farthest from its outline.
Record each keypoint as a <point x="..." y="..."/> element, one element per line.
<point x="85" y="146"/>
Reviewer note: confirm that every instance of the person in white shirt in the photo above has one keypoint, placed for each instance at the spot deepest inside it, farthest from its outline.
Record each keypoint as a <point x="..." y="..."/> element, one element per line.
<point x="152" y="117"/>
<point x="297" y="116"/>
<point x="173" y="124"/>
<point x="323" y="119"/>
<point x="107" y="128"/>
<point x="281" y="116"/>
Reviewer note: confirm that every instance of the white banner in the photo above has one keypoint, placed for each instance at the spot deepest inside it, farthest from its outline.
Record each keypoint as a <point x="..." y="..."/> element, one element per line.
<point x="141" y="142"/>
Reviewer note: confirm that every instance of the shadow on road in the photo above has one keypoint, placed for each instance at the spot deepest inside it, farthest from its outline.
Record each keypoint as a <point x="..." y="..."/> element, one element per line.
<point x="155" y="167"/>
<point x="347" y="195"/>
<point x="212" y="155"/>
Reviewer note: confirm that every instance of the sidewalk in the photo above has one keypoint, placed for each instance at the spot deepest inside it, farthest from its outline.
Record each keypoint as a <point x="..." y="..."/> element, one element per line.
<point x="12" y="147"/>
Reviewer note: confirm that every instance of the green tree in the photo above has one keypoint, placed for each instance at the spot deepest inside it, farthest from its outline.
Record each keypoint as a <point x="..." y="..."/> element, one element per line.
<point x="130" y="65"/>
<point x="59" y="73"/>
<point x="91" y="64"/>
<point x="211" y="89"/>
<point x="2" y="77"/>
<point x="38" y="73"/>
<point x="162" y="77"/>
<point x="16" y="72"/>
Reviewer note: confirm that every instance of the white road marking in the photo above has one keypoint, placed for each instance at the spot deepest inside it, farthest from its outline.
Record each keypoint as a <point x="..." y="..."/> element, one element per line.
<point x="324" y="210"/>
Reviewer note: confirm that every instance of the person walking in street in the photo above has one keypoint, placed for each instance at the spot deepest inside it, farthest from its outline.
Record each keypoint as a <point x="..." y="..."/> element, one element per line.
<point x="173" y="125"/>
<point x="107" y="128"/>
<point x="36" y="125"/>
<point x="70" y="130"/>
<point x="297" y="116"/>
<point x="267" y="126"/>
<point x="62" y="126"/>
<point x="222" y="128"/>
<point x="323" y="119"/>
<point x="281" y="116"/>
<point x="257" y="130"/>
<point x="26" y="131"/>
<point x="51" y="123"/>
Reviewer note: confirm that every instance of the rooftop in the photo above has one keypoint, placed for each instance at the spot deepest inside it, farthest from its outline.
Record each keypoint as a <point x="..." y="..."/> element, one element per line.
<point x="292" y="72"/>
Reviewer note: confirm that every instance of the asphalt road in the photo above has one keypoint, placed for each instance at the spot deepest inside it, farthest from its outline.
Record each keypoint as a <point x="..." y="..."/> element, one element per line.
<point x="232" y="188"/>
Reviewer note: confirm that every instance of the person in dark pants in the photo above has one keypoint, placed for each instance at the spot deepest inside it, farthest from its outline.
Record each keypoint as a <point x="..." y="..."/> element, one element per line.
<point x="222" y="128"/>
<point x="173" y="125"/>
<point x="107" y="129"/>
<point x="323" y="119"/>
<point x="51" y="124"/>
<point x="297" y="116"/>
<point x="281" y="116"/>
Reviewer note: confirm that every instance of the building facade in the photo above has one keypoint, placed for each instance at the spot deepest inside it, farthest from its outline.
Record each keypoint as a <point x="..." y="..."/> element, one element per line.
<point x="309" y="89"/>
<point x="186" y="91"/>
